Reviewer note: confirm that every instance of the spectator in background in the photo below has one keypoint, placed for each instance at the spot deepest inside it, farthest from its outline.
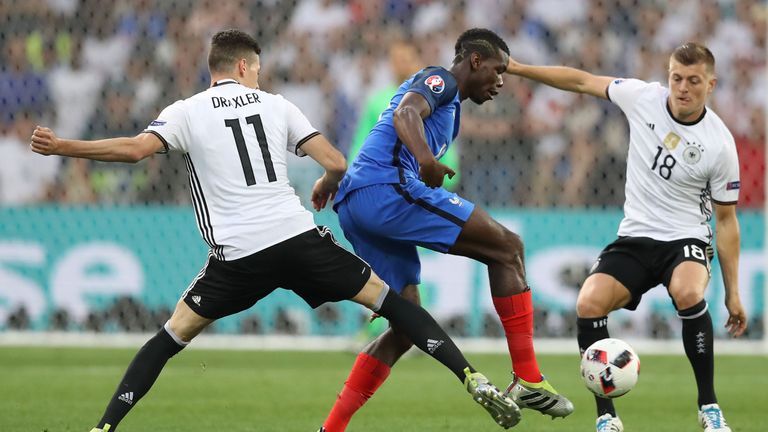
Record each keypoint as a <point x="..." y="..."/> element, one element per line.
<point x="104" y="49"/>
<point x="751" y="148"/>
<point x="545" y="116"/>
<point x="25" y="178"/>
<point x="497" y="172"/>
<point x="139" y="72"/>
<point x="582" y="129"/>
<point x="21" y="89"/>
<point x="309" y="86"/>
<point x="75" y="90"/>
<point x="320" y="21"/>
<point x="345" y="39"/>
<point x="209" y="16"/>
<point x="116" y="183"/>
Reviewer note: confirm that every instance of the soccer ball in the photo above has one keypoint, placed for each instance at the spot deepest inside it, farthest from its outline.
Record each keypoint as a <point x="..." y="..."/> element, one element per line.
<point x="609" y="368"/>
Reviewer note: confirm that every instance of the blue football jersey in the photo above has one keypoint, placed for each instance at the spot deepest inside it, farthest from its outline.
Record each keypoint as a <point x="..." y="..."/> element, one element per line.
<point x="383" y="158"/>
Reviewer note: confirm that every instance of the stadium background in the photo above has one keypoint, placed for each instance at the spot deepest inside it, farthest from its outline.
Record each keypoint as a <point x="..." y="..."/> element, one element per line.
<point x="89" y="249"/>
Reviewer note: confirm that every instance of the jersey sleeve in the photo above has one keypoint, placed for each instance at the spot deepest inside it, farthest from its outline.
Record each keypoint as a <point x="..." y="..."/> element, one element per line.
<point x="299" y="129"/>
<point x="437" y="85"/>
<point x="172" y="127"/>
<point x="725" y="183"/>
<point x="625" y="92"/>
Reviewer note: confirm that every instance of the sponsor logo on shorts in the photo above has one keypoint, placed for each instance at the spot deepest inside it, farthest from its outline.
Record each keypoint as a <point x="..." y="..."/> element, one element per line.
<point x="196" y="299"/>
<point x="455" y="200"/>
<point x="594" y="266"/>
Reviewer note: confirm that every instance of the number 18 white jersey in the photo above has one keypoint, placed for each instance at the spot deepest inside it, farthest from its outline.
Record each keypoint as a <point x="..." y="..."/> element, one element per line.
<point x="674" y="170"/>
<point x="235" y="141"/>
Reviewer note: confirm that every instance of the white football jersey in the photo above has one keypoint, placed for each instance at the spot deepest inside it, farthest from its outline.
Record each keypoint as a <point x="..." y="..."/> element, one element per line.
<point x="235" y="141"/>
<point x="675" y="170"/>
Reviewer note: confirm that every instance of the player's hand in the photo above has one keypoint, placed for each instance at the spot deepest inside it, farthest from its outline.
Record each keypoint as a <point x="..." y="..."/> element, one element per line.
<point x="322" y="192"/>
<point x="44" y="141"/>
<point x="433" y="173"/>
<point x="512" y="66"/>
<point x="737" y="318"/>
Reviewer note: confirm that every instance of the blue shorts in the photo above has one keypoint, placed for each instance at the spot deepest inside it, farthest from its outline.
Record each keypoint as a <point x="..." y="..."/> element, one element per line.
<point x="386" y="222"/>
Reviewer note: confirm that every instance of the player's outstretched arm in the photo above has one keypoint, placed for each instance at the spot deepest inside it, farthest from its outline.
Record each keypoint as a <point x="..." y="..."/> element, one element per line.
<point x="728" y="238"/>
<point x="319" y="149"/>
<point x="408" y="120"/>
<point x="562" y="77"/>
<point x="123" y="149"/>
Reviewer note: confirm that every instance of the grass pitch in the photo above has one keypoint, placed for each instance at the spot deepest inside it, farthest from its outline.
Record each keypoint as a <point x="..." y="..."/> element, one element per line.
<point x="58" y="390"/>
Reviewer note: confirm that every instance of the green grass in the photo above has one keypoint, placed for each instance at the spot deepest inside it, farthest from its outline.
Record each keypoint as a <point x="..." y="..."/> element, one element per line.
<point x="57" y="390"/>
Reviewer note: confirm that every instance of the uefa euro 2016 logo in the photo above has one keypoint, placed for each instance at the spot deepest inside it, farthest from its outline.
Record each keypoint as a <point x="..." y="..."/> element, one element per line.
<point x="435" y="83"/>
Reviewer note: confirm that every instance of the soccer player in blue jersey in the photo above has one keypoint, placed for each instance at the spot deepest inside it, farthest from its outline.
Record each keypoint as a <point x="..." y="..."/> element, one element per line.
<point x="260" y="236"/>
<point x="391" y="200"/>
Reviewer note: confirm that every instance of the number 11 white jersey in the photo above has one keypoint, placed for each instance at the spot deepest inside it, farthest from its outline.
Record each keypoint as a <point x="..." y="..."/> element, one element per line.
<point x="675" y="170"/>
<point x="235" y="141"/>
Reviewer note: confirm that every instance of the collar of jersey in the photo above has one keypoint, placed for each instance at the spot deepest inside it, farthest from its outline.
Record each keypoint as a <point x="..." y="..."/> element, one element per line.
<point x="225" y="81"/>
<point x="690" y="123"/>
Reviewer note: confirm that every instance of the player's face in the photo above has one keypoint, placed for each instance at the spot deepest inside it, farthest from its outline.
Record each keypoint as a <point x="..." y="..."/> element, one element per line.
<point x="250" y="72"/>
<point x="689" y="89"/>
<point x="486" y="78"/>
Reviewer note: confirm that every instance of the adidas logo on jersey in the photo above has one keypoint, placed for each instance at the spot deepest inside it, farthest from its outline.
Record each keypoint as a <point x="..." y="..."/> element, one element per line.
<point x="651" y="125"/>
<point x="126" y="397"/>
<point x="433" y="345"/>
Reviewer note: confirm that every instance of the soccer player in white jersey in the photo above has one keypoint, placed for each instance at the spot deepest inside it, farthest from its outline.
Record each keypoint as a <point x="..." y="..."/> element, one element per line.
<point x="682" y="162"/>
<point x="234" y="138"/>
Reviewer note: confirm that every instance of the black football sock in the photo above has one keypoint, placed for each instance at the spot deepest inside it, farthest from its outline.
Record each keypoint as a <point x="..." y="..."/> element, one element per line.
<point x="698" y="343"/>
<point x="141" y="374"/>
<point x="423" y="331"/>
<point x="589" y="331"/>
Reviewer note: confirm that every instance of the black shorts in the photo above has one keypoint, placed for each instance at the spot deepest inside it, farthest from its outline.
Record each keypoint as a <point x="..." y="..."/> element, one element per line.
<point x="641" y="263"/>
<point x="310" y="264"/>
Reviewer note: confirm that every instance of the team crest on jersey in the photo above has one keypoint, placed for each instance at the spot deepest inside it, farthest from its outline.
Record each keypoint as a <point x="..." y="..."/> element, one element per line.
<point x="435" y="83"/>
<point x="691" y="155"/>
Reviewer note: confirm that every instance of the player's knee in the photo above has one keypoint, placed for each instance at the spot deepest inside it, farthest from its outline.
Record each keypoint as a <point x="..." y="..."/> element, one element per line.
<point x="185" y="323"/>
<point x="590" y="306"/>
<point x="686" y="297"/>
<point x="512" y="249"/>
<point x="372" y="293"/>
<point x="515" y="242"/>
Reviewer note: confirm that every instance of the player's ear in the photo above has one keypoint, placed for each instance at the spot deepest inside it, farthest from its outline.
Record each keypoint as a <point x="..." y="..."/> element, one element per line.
<point x="712" y="83"/>
<point x="474" y="60"/>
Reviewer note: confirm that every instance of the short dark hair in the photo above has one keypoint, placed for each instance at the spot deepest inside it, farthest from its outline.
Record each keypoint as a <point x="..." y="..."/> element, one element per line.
<point x="479" y="40"/>
<point x="229" y="46"/>
<point x="691" y="53"/>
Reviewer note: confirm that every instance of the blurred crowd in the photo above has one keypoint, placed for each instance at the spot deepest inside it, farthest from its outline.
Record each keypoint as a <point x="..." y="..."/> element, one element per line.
<point x="93" y="69"/>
